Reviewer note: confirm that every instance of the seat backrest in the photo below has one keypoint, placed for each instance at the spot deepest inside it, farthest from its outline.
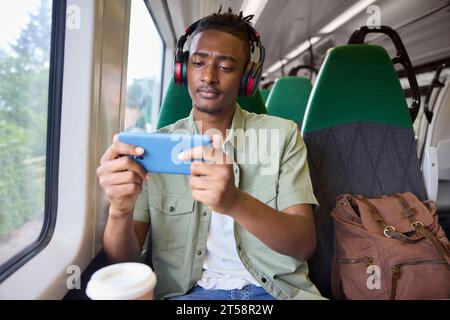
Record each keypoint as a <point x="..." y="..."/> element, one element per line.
<point x="288" y="98"/>
<point x="177" y="104"/>
<point x="360" y="139"/>
<point x="253" y="104"/>
<point x="265" y="94"/>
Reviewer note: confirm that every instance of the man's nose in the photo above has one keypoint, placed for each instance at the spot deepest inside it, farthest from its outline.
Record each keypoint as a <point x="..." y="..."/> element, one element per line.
<point x="209" y="75"/>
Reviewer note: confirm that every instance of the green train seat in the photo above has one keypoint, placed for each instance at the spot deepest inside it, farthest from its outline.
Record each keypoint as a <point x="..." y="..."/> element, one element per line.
<point x="265" y="94"/>
<point x="177" y="104"/>
<point x="288" y="98"/>
<point x="360" y="139"/>
<point x="253" y="104"/>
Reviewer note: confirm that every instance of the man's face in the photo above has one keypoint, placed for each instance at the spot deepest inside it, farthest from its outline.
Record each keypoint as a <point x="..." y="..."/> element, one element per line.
<point x="216" y="64"/>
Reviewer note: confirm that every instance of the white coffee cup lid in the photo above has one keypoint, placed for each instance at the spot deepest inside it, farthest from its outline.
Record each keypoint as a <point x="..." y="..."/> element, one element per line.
<point x="122" y="281"/>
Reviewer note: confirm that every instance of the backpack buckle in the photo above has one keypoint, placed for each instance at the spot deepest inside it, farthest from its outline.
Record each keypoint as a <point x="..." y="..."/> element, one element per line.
<point x="388" y="229"/>
<point x="415" y="224"/>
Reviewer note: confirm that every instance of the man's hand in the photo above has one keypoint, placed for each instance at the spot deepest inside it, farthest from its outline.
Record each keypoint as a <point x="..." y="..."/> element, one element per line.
<point x="290" y="232"/>
<point x="121" y="177"/>
<point x="212" y="182"/>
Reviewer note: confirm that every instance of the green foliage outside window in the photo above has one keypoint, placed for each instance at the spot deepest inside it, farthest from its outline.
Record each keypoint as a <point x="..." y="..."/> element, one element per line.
<point x="24" y="77"/>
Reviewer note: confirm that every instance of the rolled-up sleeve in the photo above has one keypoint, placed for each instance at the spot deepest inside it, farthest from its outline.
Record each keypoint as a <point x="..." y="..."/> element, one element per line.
<point x="294" y="184"/>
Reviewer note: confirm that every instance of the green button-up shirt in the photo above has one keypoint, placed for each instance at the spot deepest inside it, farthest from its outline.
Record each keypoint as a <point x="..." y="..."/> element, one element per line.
<point x="270" y="163"/>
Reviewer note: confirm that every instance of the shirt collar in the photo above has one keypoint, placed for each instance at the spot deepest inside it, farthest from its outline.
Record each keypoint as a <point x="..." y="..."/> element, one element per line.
<point x="235" y="133"/>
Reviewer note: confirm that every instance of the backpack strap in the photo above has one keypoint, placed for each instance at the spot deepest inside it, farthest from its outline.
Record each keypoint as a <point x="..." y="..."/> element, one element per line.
<point x="388" y="231"/>
<point x="422" y="230"/>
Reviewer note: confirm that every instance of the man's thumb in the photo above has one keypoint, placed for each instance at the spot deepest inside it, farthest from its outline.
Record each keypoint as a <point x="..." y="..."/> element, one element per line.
<point x="217" y="142"/>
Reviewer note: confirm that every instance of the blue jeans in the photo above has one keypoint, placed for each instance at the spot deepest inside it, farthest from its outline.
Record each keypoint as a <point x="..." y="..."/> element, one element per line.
<point x="250" y="292"/>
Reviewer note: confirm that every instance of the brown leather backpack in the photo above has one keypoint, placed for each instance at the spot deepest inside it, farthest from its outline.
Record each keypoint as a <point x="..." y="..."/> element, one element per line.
<point x="389" y="248"/>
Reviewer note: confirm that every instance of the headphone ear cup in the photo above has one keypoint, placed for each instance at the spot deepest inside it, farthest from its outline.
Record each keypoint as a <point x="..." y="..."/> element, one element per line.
<point x="180" y="69"/>
<point x="245" y="78"/>
<point x="177" y="65"/>
<point x="254" y="80"/>
<point x="184" y="68"/>
<point x="176" y="72"/>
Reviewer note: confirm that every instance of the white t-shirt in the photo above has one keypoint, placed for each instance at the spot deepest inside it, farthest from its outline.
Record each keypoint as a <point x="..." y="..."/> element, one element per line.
<point x="222" y="267"/>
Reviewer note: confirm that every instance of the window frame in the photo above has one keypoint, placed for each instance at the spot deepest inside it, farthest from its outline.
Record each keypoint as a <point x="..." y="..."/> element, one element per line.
<point x="55" y="88"/>
<point x="164" y="46"/>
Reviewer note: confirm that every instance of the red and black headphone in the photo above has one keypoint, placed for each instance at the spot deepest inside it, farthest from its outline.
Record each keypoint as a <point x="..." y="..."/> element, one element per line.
<point x="253" y="70"/>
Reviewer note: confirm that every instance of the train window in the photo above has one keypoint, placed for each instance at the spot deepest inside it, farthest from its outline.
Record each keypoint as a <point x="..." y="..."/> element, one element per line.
<point x="27" y="107"/>
<point x="144" y="75"/>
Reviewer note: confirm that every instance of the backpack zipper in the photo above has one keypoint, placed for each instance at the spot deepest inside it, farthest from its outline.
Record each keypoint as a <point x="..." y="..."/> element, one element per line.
<point x="396" y="272"/>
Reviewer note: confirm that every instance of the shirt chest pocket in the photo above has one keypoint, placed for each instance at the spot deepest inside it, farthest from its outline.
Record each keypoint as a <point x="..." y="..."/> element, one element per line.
<point x="170" y="219"/>
<point x="266" y="193"/>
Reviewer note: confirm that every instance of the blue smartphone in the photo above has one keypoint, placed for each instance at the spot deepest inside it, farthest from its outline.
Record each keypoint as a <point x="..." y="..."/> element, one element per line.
<point x="162" y="150"/>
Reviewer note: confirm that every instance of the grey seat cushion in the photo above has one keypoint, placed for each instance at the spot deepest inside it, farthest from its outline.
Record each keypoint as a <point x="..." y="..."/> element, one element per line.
<point x="365" y="158"/>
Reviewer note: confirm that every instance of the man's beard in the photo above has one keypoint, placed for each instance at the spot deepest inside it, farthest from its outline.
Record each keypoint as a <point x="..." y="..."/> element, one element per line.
<point x="209" y="111"/>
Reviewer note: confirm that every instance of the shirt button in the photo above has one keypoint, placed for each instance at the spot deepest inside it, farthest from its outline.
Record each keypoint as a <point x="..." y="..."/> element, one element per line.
<point x="205" y="213"/>
<point x="199" y="253"/>
<point x="171" y="209"/>
<point x="236" y="171"/>
<point x="239" y="248"/>
<point x="264" y="280"/>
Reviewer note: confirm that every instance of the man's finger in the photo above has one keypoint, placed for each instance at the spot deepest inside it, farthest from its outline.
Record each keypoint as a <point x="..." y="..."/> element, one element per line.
<point x="217" y="142"/>
<point x="220" y="156"/>
<point x="199" y="183"/>
<point x="201" y="196"/>
<point x="120" y="178"/>
<point x="196" y="153"/>
<point x="117" y="149"/>
<point x="201" y="169"/>
<point x="213" y="154"/>
<point x="124" y="164"/>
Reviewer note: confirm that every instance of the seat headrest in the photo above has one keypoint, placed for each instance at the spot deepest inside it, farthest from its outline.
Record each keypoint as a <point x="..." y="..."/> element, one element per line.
<point x="357" y="83"/>
<point x="253" y="104"/>
<point x="177" y="104"/>
<point x="288" y="98"/>
<point x="265" y="94"/>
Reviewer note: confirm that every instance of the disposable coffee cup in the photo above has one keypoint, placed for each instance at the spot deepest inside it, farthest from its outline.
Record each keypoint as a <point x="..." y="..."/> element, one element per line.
<point x="122" y="281"/>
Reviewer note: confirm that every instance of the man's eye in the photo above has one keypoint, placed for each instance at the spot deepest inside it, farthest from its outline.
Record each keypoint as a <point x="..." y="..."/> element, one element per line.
<point x="224" y="68"/>
<point x="197" y="64"/>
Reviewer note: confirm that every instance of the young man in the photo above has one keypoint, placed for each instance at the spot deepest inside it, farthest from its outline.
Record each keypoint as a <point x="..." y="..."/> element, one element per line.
<point x="234" y="229"/>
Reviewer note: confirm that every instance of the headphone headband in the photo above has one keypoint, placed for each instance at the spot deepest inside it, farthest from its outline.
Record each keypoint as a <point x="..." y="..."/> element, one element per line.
<point x="190" y="30"/>
<point x="253" y="70"/>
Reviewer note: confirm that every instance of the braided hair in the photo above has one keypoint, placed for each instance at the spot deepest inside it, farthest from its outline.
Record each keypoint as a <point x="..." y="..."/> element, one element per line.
<point x="231" y="23"/>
